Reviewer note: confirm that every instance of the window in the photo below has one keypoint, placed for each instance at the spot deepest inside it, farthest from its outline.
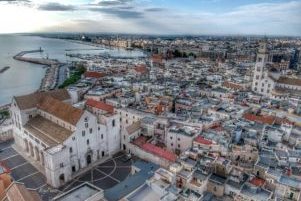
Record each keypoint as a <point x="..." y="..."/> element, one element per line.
<point x="171" y="144"/>
<point x="70" y="150"/>
<point x="262" y="84"/>
<point x="126" y="122"/>
<point x="259" y="59"/>
<point x="61" y="165"/>
<point x="257" y="77"/>
<point x="88" y="142"/>
<point x="171" y="137"/>
<point x="73" y="138"/>
<point x="83" y="133"/>
<point x="261" y="90"/>
<point x="86" y="125"/>
<point x="101" y="136"/>
<point x="179" y="139"/>
<point x="269" y="85"/>
<point x="126" y="115"/>
<point x="113" y="123"/>
<point x="90" y="130"/>
<point x="99" y="128"/>
<point x="179" y="146"/>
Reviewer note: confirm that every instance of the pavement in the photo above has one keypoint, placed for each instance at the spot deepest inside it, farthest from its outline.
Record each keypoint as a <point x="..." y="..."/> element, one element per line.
<point x="21" y="170"/>
<point x="104" y="175"/>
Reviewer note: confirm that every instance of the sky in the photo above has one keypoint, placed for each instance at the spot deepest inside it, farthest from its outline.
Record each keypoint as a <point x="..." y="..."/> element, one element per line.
<point x="259" y="17"/>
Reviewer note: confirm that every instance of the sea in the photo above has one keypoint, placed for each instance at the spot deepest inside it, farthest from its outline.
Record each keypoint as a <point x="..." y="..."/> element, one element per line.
<point x="23" y="78"/>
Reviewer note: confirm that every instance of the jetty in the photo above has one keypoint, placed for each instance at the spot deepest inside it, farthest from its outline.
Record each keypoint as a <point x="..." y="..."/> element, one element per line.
<point x="5" y="68"/>
<point x="50" y="79"/>
<point x="42" y="61"/>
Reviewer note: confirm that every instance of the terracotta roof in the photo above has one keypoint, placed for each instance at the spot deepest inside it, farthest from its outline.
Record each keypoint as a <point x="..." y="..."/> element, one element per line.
<point x="232" y="85"/>
<point x="289" y="81"/>
<point x="133" y="127"/>
<point x="202" y="140"/>
<point x="257" y="181"/>
<point x="94" y="74"/>
<point x="148" y="147"/>
<point x="100" y="105"/>
<point x="141" y="69"/>
<point x="50" y="133"/>
<point x="264" y="119"/>
<point x="31" y="100"/>
<point x="157" y="58"/>
<point x="141" y="140"/>
<point x="18" y="192"/>
<point x="61" y="110"/>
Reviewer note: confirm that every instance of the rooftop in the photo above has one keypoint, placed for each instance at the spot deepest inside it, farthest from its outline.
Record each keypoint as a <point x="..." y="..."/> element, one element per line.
<point x="100" y="105"/>
<point x="47" y="131"/>
<point x="60" y="110"/>
<point x="80" y="193"/>
<point x="31" y="100"/>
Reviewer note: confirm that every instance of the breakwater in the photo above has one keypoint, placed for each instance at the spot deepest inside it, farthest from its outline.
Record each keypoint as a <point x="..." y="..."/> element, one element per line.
<point x="50" y="79"/>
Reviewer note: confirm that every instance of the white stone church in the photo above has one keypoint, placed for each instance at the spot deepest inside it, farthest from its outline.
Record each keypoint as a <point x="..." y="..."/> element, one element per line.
<point x="62" y="139"/>
<point x="271" y="81"/>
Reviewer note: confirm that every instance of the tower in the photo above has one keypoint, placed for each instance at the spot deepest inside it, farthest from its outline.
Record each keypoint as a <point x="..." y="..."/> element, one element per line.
<point x="259" y="71"/>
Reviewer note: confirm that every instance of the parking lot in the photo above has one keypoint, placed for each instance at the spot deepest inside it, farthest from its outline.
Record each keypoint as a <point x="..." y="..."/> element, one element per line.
<point x="104" y="176"/>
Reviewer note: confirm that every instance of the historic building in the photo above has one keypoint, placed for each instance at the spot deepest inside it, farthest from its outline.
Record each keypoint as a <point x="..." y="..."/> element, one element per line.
<point x="61" y="138"/>
<point x="271" y="81"/>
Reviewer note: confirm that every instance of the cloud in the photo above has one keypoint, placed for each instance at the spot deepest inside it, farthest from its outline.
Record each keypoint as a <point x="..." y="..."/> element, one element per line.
<point x="53" y="6"/>
<point x="113" y="2"/>
<point x="123" y="13"/>
<point x="17" y="2"/>
<point x="154" y="9"/>
<point x="14" y="1"/>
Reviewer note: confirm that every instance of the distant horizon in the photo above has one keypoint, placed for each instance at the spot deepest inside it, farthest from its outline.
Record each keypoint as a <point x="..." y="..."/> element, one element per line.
<point x="153" y="17"/>
<point x="150" y="34"/>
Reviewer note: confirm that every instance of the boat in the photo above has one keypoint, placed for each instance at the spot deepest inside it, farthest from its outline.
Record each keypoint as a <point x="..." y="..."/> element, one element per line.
<point x="5" y="68"/>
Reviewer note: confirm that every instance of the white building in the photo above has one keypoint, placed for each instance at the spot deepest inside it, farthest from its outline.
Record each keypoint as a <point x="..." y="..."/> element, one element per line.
<point x="271" y="82"/>
<point x="61" y="138"/>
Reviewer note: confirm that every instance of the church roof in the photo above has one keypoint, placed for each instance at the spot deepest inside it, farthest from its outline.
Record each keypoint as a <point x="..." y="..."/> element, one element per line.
<point x="31" y="100"/>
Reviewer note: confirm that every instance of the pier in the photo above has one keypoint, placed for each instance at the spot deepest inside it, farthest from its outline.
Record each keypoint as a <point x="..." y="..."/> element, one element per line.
<point x="51" y="77"/>
<point x="2" y="70"/>
<point x="48" y="62"/>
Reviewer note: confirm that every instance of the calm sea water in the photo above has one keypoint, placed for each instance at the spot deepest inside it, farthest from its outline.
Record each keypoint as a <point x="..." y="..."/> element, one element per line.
<point x="23" y="78"/>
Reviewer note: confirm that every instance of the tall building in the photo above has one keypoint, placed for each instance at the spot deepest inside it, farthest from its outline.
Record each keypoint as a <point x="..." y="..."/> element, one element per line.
<point x="262" y="82"/>
<point x="272" y="81"/>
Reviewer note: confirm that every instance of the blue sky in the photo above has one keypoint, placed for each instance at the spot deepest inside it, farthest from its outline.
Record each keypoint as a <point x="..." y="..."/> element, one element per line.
<point x="270" y="17"/>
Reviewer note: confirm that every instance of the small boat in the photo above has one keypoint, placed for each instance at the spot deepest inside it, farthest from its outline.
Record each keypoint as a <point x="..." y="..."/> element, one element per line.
<point x="5" y="68"/>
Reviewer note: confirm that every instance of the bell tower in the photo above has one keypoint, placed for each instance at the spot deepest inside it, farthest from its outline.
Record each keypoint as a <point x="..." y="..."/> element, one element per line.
<point x="259" y="70"/>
